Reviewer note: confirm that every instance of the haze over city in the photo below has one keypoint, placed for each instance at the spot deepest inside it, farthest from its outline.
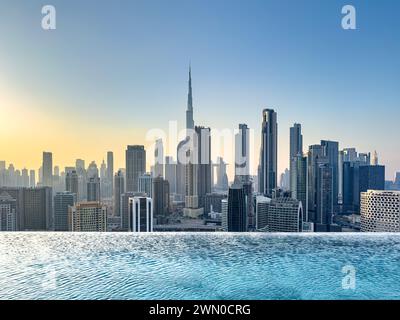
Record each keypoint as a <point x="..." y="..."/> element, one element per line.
<point x="105" y="77"/>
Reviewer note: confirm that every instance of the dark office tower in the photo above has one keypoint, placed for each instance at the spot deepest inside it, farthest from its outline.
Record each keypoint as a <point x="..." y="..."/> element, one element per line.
<point x="299" y="182"/>
<point x="358" y="178"/>
<point x="47" y="169"/>
<point x="189" y="111"/>
<point x="135" y="158"/>
<point x="237" y="215"/>
<point x="72" y="183"/>
<point x="125" y="210"/>
<point x="119" y="190"/>
<point x="248" y="192"/>
<point x="372" y="178"/>
<point x="93" y="189"/>
<point x="324" y="197"/>
<point x="269" y="152"/>
<point x="296" y="148"/>
<point x="37" y="209"/>
<point x="110" y="171"/>
<point x="242" y="153"/>
<point x="170" y="173"/>
<point x="62" y="200"/>
<point x="32" y="180"/>
<point x="160" y="199"/>
<point x="331" y="151"/>
<point x="315" y="158"/>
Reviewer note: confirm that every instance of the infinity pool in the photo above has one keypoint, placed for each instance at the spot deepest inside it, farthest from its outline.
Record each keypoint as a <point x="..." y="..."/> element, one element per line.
<point x="198" y="266"/>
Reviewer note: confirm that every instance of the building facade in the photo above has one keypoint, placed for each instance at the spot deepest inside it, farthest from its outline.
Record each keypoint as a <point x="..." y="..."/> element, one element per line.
<point x="380" y="211"/>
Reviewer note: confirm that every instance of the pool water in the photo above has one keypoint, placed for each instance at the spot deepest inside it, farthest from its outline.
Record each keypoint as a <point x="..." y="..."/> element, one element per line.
<point x="199" y="266"/>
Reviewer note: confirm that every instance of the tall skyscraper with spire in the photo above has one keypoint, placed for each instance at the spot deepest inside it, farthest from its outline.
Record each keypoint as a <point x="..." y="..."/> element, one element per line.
<point x="184" y="145"/>
<point x="189" y="110"/>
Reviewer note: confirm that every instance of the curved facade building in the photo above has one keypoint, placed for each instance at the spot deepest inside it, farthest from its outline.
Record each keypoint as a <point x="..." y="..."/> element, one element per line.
<point x="380" y="211"/>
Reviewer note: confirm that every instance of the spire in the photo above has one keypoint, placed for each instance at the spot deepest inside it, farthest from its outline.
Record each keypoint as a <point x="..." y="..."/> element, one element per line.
<point x="190" y="98"/>
<point x="189" y="110"/>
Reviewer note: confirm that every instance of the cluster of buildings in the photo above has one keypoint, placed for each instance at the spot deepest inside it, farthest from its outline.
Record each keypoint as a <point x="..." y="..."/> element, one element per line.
<point x="325" y="189"/>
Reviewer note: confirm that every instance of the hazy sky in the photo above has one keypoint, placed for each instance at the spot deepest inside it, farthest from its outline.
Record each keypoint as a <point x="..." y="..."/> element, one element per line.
<point x="112" y="70"/>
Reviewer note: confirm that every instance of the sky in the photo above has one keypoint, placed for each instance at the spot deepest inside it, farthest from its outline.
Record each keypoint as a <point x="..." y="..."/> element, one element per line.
<point x="113" y="70"/>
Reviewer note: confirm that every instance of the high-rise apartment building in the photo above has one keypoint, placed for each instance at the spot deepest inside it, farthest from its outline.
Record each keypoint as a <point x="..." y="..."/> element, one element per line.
<point x="8" y="212"/>
<point x="88" y="217"/>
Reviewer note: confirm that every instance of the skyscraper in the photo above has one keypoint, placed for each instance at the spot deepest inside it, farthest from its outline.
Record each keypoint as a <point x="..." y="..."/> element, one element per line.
<point x="93" y="189"/>
<point x="324" y="197"/>
<point x="189" y="111"/>
<point x="135" y="158"/>
<point x="47" y="169"/>
<point x="32" y="180"/>
<point x="237" y="209"/>
<point x="269" y="152"/>
<point x="296" y="141"/>
<point x="8" y="212"/>
<point x="72" y="183"/>
<point x="125" y="210"/>
<point x="146" y="184"/>
<point x="242" y="153"/>
<point x="62" y="202"/>
<point x="299" y="182"/>
<point x="198" y="172"/>
<point x="170" y="173"/>
<point x="141" y="214"/>
<point x="158" y="159"/>
<point x="88" y="217"/>
<point x="296" y="149"/>
<point x="160" y="197"/>
<point x="222" y="178"/>
<point x="37" y="212"/>
<point x="315" y="158"/>
<point x="183" y="148"/>
<point x="357" y="178"/>
<point x="110" y="172"/>
<point x="119" y="190"/>
<point x="331" y="152"/>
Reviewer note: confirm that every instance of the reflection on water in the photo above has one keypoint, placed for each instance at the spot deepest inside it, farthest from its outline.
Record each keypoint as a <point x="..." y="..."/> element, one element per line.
<point x="197" y="266"/>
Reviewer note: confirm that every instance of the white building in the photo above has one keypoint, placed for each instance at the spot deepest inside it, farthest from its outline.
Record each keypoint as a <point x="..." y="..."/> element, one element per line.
<point x="380" y="211"/>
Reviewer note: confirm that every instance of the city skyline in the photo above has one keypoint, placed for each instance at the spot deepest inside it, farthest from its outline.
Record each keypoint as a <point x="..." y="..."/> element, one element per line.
<point x="56" y="99"/>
